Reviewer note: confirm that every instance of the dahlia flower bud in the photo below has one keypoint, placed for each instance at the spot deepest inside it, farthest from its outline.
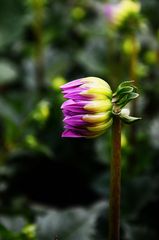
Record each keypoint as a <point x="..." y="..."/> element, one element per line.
<point x="118" y="13"/>
<point x="88" y="110"/>
<point x="111" y="11"/>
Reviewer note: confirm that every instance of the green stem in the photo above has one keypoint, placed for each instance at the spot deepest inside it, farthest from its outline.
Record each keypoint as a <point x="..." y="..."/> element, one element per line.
<point x="111" y="62"/>
<point x="39" y="46"/>
<point x="133" y="66"/>
<point x="133" y="76"/>
<point x="133" y="60"/>
<point x="115" y="182"/>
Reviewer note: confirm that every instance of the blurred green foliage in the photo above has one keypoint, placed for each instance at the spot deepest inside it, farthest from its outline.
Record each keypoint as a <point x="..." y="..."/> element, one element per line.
<point x="60" y="187"/>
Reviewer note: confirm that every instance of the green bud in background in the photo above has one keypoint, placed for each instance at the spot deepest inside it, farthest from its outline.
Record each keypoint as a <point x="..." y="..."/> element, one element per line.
<point x="128" y="47"/>
<point x="78" y="13"/>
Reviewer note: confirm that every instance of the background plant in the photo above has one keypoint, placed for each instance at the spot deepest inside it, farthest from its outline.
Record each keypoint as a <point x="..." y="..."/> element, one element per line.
<point x="44" y="177"/>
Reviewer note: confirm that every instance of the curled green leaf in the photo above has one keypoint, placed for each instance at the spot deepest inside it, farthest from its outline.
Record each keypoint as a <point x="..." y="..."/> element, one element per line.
<point x="126" y="118"/>
<point x="124" y="94"/>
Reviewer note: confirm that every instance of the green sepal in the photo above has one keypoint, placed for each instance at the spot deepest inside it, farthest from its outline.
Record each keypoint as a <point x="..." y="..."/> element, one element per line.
<point x="125" y="84"/>
<point x="123" y="90"/>
<point x="124" y="94"/>
<point x="126" y="118"/>
<point x="129" y="119"/>
<point x="127" y="99"/>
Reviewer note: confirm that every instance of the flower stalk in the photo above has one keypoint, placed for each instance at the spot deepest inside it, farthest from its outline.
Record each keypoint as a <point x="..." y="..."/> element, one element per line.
<point x="133" y="76"/>
<point x="123" y="95"/>
<point x="38" y="8"/>
<point x="133" y="60"/>
<point x="133" y="66"/>
<point x="39" y="47"/>
<point x="115" y="181"/>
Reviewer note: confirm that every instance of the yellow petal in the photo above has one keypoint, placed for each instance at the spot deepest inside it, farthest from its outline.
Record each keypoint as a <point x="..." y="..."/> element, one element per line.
<point x="99" y="106"/>
<point x="94" y="135"/>
<point x="95" y="96"/>
<point x="97" y="118"/>
<point x="100" y="127"/>
<point x="96" y="80"/>
<point x="98" y="90"/>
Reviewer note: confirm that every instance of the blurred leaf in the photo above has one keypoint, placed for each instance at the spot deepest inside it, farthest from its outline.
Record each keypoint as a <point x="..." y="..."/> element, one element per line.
<point x="41" y="112"/>
<point x="13" y="223"/>
<point x="8" y="72"/>
<point x="15" y="228"/>
<point x="5" y="234"/>
<point x="71" y="224"/>
<point x="92" y="56"/>
<point x="138" y="232"/>
<point x="7" y="111"/>
<point x="29" y="231"/>
<point x="133" y="192"/>
<point x="33" y="144"/>
<point x="12" y="20"/>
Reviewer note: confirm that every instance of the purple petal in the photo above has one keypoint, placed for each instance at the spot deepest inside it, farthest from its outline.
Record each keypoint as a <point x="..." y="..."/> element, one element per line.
<point x="66" y="103"/>
<point x="74" y="106"/>
<point x="68" y="113"/>
<point x="69" y="90"/>
<point x="72" y="84"/>
<point x="79" y="129"/>
<point x="75" y="121"/>
<point x="74" y="109"/>
<point x="72" y="113"/>
<point x="76" y="95"/>
<point x="77" y="89"/>
<point x="70" y="102"/>
<point x="71" y="134"/>
<point x="72" y="90"/>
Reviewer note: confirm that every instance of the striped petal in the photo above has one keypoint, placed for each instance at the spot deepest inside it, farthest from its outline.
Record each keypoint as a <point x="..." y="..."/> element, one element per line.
<point x="71" y="134"/>
<point x="76" y="121"/>
<point x="88" y="110"/>
<point x="72" y="84"/>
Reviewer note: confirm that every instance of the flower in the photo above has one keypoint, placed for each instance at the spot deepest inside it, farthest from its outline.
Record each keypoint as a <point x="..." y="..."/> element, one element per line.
<point x="118" y="13"/>
<point x="111" y="11"/>
<point x="88" y="110"/>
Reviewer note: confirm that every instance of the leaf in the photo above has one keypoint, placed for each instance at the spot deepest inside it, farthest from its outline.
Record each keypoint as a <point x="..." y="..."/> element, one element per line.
<point x="125" y="83"/>
<point x="91" y="56"/>
<point x="8" y="72"/>
<point x="15" y="228"/>
<point x="123" y="90"/>
<point x="5" y="233"/>
<point x="132" y="95"/>
<point x="127" y="98"/>
<point x="129" y="119"/>
<point x="8" y="112"/>
<point x="12" y="223"/>
<point x="12" y="18"/>
<point x="71" y="224"/>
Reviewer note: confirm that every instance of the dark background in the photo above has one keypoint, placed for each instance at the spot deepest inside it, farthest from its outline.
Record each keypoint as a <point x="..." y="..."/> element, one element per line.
<point x="51" y="186"/>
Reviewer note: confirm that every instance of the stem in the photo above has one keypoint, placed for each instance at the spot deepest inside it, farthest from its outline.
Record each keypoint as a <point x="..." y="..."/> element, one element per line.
<point x="112" y="65"/>
<point x="39" y="46"/>
<point x="115" y="182"/>
<point x="134" y="56"/>
<point x="133" y="66"/>
<point x="157" y="55"/>
<point x="133" y="76"/>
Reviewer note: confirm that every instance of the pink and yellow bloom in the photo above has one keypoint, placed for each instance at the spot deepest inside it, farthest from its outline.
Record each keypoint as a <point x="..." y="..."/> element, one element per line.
<point x="111" y="11"/>
<point x="118" y="13"/>
<point x="88" y="110"/>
